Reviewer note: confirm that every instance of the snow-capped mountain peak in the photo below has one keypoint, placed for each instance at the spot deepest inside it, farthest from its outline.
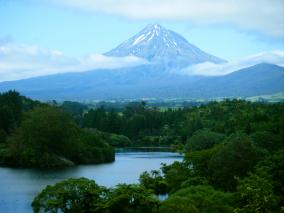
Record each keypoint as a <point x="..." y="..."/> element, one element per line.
<point x="150" y="32"/>
<point x="158" y="44"/>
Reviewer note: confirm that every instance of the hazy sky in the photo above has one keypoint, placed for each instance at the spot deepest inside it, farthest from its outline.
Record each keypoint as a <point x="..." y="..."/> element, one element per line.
<point x="79" y="28"/>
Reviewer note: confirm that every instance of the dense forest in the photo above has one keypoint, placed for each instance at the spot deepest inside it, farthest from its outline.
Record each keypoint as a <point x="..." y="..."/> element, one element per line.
<point x="34" y="134"/>
<point x="233" y="154"/>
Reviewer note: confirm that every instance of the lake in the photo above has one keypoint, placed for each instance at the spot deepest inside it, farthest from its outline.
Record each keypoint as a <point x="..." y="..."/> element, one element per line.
<point x="19" y="186"/>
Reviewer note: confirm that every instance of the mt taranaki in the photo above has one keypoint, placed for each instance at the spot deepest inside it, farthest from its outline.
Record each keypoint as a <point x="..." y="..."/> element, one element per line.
<point x="165" y="53"/>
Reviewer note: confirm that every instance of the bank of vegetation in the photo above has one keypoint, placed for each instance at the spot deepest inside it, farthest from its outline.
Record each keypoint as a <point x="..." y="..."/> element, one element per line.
<point x="233" y="154"/>
<point x="34" y="134"/>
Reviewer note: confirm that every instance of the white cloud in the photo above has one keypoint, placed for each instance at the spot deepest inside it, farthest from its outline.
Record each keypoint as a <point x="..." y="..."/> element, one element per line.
<point x="263" y="15"/>
<point x="211" y="69"/>
<point x="25" y="61"/>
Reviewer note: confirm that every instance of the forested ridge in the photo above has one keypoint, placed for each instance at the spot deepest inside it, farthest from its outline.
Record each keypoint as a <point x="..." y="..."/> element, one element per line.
<point x="34" y="134"/>
<point x="146" y="125"/>
<point x="233" y="154"/>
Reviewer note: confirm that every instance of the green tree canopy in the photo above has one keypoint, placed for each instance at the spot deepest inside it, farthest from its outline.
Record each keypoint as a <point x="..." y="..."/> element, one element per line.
<point x="203" y="139"/>
<point x="235" y="159"/>
<point x="49" y="137"/>
<point x="71" y="196"/>
<point x="256" y="193"/>
<point x="197" y="199"/>
<point x="47" y="129"/>
<point x="85" y="196"/>
<point x="155" y="181"/>
<point x="131" y="198"/>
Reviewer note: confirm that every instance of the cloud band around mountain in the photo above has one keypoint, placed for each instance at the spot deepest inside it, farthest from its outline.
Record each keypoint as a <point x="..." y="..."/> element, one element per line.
<point x="26" y="61"/>
<point x="210" y="69"/>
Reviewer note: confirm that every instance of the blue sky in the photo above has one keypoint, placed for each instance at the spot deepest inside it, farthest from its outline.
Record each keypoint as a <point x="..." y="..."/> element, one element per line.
<point x="79" y="28"/>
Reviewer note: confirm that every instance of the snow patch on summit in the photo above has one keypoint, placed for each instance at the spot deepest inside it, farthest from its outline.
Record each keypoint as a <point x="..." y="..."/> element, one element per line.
<point x="139" y="39"/>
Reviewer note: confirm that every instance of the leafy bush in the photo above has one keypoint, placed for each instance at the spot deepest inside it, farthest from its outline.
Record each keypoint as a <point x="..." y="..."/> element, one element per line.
<point x="85" y="196"/>
<point x="154" y="181"/>
<point x="72" y="195"/>
<point x="48" y="137"/>
<point x="203" y="139"/>
<point x="235" y="159"/>
<point x="198" y="199"/>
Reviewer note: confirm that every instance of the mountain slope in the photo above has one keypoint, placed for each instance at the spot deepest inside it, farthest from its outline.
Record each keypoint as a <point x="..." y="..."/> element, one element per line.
<point x="167" y="53"/>
<point x="260" y="79"/>
<point x="157" y="44"/>
<point x="148" y="82"/>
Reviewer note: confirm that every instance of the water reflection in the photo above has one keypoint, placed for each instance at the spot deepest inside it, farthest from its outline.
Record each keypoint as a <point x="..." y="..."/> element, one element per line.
<point x="19" y="186"/>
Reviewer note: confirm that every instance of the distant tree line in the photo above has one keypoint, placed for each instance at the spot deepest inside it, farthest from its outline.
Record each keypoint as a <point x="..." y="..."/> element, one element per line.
<point x="146" y="125"/>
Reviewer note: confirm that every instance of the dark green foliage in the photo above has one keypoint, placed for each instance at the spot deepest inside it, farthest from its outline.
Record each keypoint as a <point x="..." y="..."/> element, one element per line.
<point x="192" y="124"/>
<point x="3" y="136"/>
<point x="178" y="204"/>
<point x="93" y="149"/>
<point x="74" y="107"/>
<point x="232" y="145"/>
<point x="199" y="161"/>
<point x="150" y="126"/>
<point x="235" y="159"/>
<point x="136" y="122"/>
<point x="119" y="140"/>
<point x="130" y="199"/>
<point x="194" y="181"/>
<point x="231" y="116"/>
<point x="11" y="109"/>
<point x="85" y="196"/>
<point x="267" y="140"/>
<point x="102" y="120"/>
<point x="47" y="129"/>
<point x="256" y="193"/>
<point x="203" y="139"/>
<point x="199" y="199"/>
<point x="45" y="136"/>
<point x="175" y="174"/>
<point x="158" y="141"/>
<point x="71" y="196"/>
<point x="154" y="181"/>
<point x="274" y="166"/>
<point x="48" y="137"/>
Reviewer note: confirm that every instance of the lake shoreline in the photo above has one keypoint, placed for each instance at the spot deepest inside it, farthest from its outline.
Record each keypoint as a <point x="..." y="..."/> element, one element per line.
<point x="20" y="185"/>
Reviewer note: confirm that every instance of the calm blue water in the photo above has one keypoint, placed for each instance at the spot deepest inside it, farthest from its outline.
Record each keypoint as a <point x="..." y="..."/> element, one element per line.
<point x="19" y="186"/>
